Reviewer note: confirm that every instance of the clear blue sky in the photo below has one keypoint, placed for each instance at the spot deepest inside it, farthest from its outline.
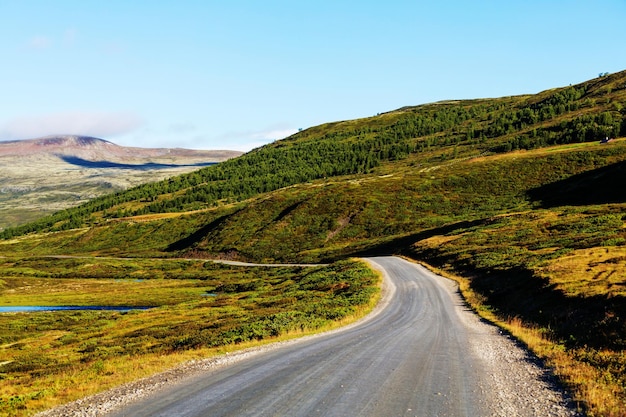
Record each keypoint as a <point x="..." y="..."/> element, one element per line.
<point x="237" y="74"/>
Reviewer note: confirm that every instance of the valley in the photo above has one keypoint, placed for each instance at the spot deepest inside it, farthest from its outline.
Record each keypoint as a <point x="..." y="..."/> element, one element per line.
<point x="42" y="176"/>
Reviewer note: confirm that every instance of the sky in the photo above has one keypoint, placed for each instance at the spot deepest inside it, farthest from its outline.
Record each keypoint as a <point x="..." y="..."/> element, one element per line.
<point x="239" y="74"/>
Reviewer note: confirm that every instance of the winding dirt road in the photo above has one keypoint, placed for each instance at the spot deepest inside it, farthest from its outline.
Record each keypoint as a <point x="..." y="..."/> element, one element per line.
<point x="421" y="353"/>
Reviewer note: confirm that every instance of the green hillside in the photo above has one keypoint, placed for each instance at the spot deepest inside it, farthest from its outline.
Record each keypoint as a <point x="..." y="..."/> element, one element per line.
<point x="424" y="135"/>
<point x="516" y="197"/>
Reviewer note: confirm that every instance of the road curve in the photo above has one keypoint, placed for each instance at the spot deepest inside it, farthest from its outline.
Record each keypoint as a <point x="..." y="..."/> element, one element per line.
<point x="423" y="354"/>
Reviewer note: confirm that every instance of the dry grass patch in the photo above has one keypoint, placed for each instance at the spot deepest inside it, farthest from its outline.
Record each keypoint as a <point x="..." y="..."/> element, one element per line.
<point x="437" y="240"/>
<point x="589" y="272"/>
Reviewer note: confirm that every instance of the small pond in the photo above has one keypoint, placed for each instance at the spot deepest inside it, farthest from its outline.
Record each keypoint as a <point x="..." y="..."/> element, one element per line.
<point x="26" y="309"/>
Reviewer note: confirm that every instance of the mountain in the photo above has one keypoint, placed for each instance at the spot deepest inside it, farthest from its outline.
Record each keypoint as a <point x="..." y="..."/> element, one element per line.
<point x="521" y="198"/>
<point x="95" y="149"/>
<point x="40" y="176"/>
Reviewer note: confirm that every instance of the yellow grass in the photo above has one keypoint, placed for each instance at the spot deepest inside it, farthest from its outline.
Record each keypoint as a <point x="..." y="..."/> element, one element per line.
<point x="589" y="272"/>
<point x="44" y="392"/>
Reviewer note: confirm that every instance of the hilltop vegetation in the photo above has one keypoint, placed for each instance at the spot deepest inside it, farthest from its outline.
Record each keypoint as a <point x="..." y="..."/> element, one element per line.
<point x="515" y="196"/>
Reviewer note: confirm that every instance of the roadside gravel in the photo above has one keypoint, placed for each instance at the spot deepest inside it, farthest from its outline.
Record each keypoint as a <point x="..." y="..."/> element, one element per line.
<point x="519" y="384"/>
<point x="100" y="404"/>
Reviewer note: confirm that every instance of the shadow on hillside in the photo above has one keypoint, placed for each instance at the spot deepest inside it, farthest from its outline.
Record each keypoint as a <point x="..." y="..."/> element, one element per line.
<point x="402" y="245"/>
<point x="84" y="163"/>
<point x="197" y="236"/>
<point x="600" y="186"/>
<point x="595" y="321"/>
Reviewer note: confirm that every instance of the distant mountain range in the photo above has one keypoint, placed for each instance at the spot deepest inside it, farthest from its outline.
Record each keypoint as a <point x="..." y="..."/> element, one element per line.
<point x="43" y="175"/>
<point x="95" y="149"/>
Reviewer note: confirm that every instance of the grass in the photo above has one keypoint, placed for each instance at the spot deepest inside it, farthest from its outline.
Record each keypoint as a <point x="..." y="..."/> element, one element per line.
<point x="93" y="292"/>
<point x="598" y="271"/>
<point x="49" y="358"/>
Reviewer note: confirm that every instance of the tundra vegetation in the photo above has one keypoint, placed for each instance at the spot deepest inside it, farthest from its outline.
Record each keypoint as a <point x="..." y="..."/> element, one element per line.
<point x="198" y="309"/>
<point x="42" y="176"/>
<point x="515" y="197"/>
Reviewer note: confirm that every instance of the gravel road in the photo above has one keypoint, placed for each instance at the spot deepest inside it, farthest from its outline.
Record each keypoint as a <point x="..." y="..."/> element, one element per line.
<point x="421" y="353"/>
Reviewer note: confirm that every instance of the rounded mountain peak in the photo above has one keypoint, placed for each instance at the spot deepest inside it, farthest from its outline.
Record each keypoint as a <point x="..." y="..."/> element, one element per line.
<point x="71" y="140"/>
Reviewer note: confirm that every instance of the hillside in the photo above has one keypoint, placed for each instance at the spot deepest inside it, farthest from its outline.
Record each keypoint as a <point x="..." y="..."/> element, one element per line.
<point x="519" y="197"/>
<point x="41" y="176"/>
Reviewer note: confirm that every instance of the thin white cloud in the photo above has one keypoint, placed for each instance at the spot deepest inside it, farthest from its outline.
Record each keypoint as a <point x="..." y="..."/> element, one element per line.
<point x="98" y="124"/>
<point x="247" y="140"/>
<point x="247" y="146"/>
<point x="69" y="36"/>
<point x="274" y="133"/>
<point x="67" y="39"/>
<point x="181" y="127"/>
<point x="114" y="48"/>
<point x="40" y="42"/>
<point x="268" y="134"/>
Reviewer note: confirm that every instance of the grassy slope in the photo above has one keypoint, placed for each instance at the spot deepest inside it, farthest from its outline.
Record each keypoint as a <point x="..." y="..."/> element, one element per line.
<point x="524" y="228"/>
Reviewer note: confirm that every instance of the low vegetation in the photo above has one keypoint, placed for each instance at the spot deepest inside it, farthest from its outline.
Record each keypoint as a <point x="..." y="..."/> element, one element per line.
<point x="516" y="196"/>
<point x="199" y="309"/>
